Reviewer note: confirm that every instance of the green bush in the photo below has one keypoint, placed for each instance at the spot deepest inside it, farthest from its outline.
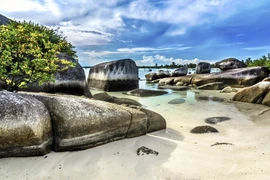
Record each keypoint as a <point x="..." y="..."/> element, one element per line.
<point x="28" y="53"/>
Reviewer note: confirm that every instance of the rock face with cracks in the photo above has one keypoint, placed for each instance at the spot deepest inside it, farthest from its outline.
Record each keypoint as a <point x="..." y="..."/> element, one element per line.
<point x="77" y="123"/>
<point x="119" y="75"/>
<point x="258" y="94"/>
<point x="25" y="126"/>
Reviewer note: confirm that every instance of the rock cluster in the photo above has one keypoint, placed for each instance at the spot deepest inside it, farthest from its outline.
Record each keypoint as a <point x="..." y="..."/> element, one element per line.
<point x="36" y="123"/>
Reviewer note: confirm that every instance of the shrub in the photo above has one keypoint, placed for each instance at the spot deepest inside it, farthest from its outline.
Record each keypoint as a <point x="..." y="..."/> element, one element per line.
<point x="28" y="53"/>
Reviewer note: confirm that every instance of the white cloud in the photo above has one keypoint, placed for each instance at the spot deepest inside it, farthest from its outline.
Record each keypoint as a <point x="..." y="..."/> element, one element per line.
<point x="257" y="48"/>
<point x="135" y="50"/>
<point x="162" y="60"/>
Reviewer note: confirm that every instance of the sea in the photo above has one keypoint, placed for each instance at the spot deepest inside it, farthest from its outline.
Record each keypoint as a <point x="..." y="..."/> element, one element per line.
<point x="193" y="106"/>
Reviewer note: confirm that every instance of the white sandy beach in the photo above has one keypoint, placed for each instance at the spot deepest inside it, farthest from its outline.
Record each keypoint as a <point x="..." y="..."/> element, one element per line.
<point x="182" y="155"/>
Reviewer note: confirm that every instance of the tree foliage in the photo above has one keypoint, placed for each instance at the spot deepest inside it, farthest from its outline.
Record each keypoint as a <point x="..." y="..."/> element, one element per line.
<point x="263" y="61"/>
<point x="28" y="53"/>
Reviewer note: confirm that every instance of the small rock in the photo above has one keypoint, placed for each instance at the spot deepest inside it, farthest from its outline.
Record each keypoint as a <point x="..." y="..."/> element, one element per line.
<point x="146" y="92"/>
<point x="177" y="101"/>
<point x="215" y="120"/>
<point x="144" y="150"/>
<point x="203" y="130"/>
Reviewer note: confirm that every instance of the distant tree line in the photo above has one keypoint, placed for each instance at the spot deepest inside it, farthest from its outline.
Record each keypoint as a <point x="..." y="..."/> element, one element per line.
<point x="263" y="61"/>
<point x="172" y="66"/>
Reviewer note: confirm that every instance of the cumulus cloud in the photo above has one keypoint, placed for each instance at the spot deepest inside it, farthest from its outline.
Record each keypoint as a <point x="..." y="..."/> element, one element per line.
<point x="162" y="60"/>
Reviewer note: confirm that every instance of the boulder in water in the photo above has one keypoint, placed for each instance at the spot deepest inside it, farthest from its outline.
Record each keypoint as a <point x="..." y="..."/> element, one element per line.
<point x="203" y="68"/>
<point x="119" y="75"/>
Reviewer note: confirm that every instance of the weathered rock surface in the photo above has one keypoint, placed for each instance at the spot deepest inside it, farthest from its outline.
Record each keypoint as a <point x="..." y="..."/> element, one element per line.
<point x="145" y="92"/>
<point x="203" y="130"/>
<point x="182" y="71"/>
<point x="203" y="68"/>
<point x="178" y="88"/>
<point x="230" y="63"/>
<point x="215" y="120"/>
<point x="212" y="86"/>
<point x="228" y="89"/>
<point x="258" y="93"/>
<point x="80" y="123"/>
<point x="119" y="75"/>
<point x="106" y="97"/>
<point x="239" y="77"/>
<point x="144" y="150"/>
<point x="157" y="75"/>
<point x="25" y="126"/>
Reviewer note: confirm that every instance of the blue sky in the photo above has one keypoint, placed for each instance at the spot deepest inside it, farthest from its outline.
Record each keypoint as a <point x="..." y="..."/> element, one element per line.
<point x="153" y="31"/>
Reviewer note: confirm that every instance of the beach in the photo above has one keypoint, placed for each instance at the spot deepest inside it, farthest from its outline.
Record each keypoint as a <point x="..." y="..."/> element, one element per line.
<point x="242" y="152"/>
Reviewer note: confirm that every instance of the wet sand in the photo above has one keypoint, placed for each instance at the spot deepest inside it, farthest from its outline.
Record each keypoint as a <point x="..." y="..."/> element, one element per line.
<point x="182" y="155"/>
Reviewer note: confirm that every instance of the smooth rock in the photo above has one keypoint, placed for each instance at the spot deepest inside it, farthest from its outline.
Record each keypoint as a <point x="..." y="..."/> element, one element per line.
<point x="119" y="75"/>
<point x="253" y="94"/>
<point x="157" y="75"/>
<point x="203" y="130"/>
<point x="106" y="97"/>
<point x="212" y="86"/>
<point x="182" y="71"/>
<point x="80" y="123"/>
<point x="177" y="101"/>
<point x="240" y="77"/>
<point x="215" y="120"/>
<point x="203" y="68"/>
<point x="146" y="92"/>
<point x="25" y="126"/>
<point x="178" y="88"/>
<point x="230" y="63"/>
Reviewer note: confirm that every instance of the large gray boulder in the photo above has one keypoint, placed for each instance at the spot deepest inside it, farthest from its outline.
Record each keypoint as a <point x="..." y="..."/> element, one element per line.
<point x="119" y="75"/>
<point x="230" y="63"/>
<point x="80" y="123"/>
<point x="181" y="71"/>
<point x="157" y="75"/>
<point x="71" y="81"/>
<point x="258" y="93"/>
<point x="203" y="68"/>
<point x="25" y="126"/>
<point x="239" y="77"/>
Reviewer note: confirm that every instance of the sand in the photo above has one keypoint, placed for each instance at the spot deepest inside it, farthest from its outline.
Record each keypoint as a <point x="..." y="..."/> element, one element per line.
<point x="182" y="155"/>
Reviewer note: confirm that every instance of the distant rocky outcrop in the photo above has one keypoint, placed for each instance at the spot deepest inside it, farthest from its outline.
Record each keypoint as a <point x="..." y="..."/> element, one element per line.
<point x="36" y="123"/>
<point x="25" y="126"/>
<point x="230" y="63"/>
<point x="203" y="68"/>
<point x="71" y="81"/>
<point x="157" y="75"/>
<point x="119" y="75"/>
<point x="240" y="77"/>
<point x="258" y="94"/>
<point x="182" y="71"/>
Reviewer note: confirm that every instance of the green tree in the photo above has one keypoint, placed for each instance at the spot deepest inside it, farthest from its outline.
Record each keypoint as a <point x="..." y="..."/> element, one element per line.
<point x="28" y="55"/>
